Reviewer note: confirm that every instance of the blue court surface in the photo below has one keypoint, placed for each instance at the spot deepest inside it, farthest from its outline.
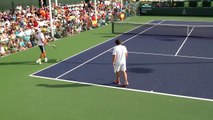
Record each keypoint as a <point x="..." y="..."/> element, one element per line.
<point x="172" y="65"/>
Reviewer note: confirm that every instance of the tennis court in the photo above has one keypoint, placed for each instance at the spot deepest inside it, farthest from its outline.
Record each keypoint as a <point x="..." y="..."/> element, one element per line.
<point x="165" y="57"/>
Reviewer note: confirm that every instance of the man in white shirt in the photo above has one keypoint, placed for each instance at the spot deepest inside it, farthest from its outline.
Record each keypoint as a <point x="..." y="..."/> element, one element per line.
<point x="19" y="7"/>
<point x="41" y="43"/>
<point x="120" y="54"/>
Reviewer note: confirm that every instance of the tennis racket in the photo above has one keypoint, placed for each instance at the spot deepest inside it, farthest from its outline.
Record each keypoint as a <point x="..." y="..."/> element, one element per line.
<point x="52" y="46"/>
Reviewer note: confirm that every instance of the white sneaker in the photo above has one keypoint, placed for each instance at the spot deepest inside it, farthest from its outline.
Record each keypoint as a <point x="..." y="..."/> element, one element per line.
<point x="39" y="61"/>
<point x="45" y="60"/>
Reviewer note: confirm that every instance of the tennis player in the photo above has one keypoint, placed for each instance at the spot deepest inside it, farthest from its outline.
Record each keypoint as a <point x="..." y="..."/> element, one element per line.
<point x="41" y="43"/>
<point x="119" y="57"/>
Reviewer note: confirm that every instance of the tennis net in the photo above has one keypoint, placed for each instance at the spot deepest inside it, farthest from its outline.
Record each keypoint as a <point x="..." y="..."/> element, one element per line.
<point x="203" y="31"/>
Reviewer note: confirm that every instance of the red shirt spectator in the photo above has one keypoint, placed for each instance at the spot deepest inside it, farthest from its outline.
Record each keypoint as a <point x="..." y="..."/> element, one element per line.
<point x="35" y="24"/>
<point x="47" y="16"/>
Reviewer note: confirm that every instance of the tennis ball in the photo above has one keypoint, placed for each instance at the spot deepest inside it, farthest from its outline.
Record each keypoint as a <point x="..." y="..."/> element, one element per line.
<point x="57" y="60"/>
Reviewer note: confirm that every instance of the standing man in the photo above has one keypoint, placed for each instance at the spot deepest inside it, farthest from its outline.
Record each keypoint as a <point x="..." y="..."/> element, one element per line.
<point x="119" y="57"/>
<point x="41" y="43"/>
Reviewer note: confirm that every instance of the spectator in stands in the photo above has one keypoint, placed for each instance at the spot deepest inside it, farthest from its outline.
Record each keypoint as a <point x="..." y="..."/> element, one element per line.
<point x="19" y="8"/>
<point x="17" y="29"/>
<point x="2" y="49"/>
<point x="21" y="44"/>
<point x="12" y="46"/>
<point x="4" y="36"/>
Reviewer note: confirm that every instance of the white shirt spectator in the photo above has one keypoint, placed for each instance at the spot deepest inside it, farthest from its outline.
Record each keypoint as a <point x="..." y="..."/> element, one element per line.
<point x="1" y="29"/>
<point x="18" y="7"/>
<point x="28" y="32"/>
<point x="2" y="50"/>
<point x="21" y="33"/>
<point x="107" y="3"/>
<point x="41" y="23"/>
<point x="29" y="14"/>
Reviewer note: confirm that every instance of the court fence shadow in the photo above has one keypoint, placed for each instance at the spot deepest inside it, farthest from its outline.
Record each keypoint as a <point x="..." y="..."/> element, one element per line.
<point x="73" y="85"/>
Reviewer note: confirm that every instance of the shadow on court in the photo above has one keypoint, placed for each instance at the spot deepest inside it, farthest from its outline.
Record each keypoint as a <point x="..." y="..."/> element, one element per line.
<point x="139" y="70"/>
<point x="63" y="85"/>
<point x="26" y="62"/>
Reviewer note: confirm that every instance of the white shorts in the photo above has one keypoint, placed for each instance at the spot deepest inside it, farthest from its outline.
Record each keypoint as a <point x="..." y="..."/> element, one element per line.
<point x="118" y="68"/>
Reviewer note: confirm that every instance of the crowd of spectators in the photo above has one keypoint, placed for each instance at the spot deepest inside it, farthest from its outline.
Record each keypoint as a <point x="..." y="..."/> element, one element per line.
<point x="17" y="27"/>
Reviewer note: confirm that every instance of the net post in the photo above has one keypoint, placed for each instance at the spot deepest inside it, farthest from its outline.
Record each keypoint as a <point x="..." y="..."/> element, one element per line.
<point x="113" y="27"/>
<point x="187" y="32"/>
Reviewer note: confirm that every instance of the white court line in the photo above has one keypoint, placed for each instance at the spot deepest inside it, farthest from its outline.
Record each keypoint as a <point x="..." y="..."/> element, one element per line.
<point x="104" y="52"/>
<point x="128" y="89"/>
<point x="171" y="55"/>
<point x="184" y="42"/>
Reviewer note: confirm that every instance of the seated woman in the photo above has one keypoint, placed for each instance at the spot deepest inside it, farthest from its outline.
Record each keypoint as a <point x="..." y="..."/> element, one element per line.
<point x="21" y="45"/>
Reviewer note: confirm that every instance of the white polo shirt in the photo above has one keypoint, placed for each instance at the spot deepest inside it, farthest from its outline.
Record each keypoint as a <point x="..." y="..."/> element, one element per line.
<point x="120" y="52"/>
<point x="40" y="37"/>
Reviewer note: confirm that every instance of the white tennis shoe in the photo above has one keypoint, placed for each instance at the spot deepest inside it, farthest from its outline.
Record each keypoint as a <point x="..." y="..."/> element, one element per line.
<point x="39" y="61"/>
<point x="45" y="60"/>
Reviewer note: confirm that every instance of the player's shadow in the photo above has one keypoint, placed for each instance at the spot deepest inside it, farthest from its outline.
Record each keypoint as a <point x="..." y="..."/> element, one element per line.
<point x="63" y="85"/>
<point x="18" y="63"/>
<point x="26" y="62"/>
<point x="139" y="70"/>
